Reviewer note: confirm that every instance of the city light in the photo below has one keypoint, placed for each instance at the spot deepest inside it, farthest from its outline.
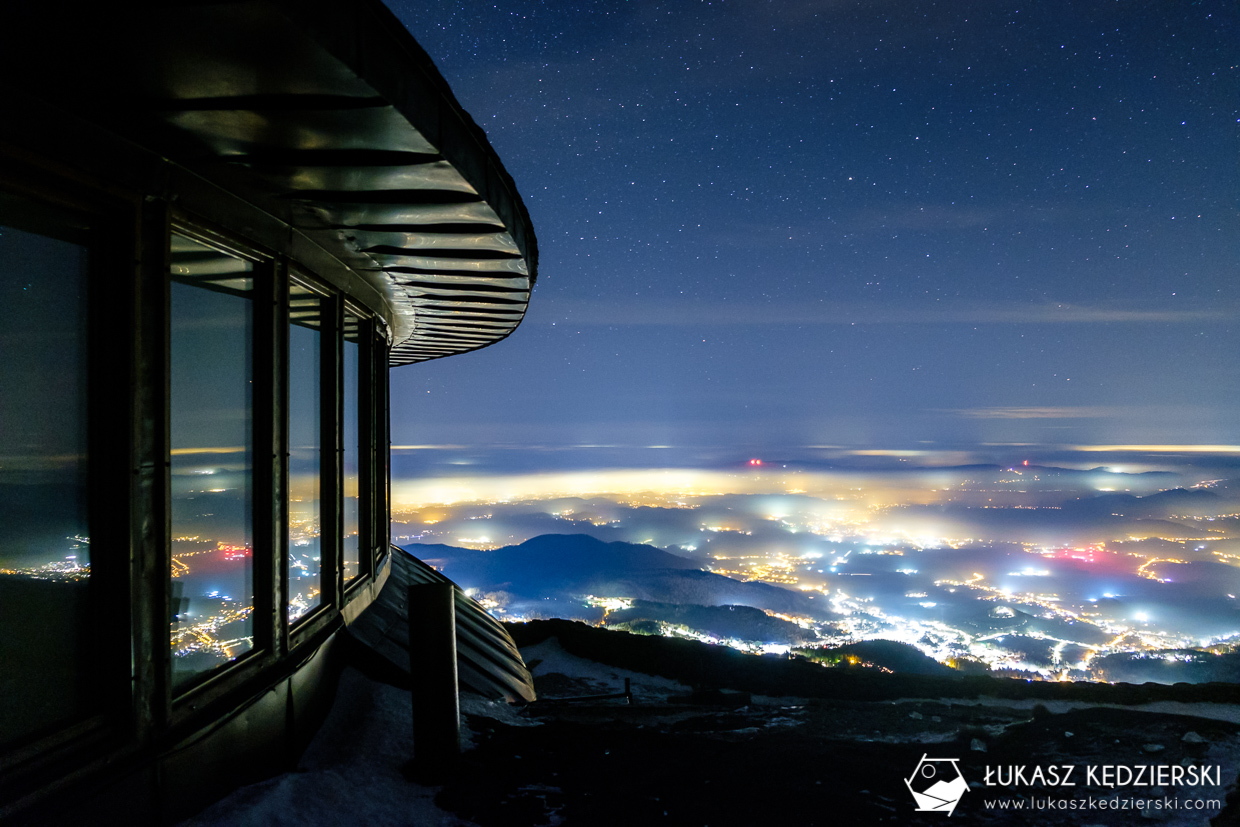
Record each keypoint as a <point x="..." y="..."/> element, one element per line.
<point x="1049" y="605"/>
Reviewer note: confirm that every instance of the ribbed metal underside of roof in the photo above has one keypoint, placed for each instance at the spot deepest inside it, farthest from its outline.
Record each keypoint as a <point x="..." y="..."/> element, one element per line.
<point x="488" y="662"/>
<point x="330" y="117"/>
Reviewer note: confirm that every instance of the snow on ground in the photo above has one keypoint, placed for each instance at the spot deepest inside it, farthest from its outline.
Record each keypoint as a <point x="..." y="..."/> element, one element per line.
<point x="550" y="657"/>
<point x="351" y="772"/>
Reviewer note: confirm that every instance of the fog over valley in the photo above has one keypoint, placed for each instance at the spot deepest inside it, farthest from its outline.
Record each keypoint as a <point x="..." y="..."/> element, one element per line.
<point x="1123" y="571"/>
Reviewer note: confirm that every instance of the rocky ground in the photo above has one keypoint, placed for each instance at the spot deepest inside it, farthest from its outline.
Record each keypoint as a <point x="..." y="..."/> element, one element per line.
<point x="697" y="751"/>
<point x="720" y="757"/>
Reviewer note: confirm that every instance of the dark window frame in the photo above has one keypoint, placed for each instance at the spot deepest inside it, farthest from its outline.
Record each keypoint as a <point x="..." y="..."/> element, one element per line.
<point x="383" y="447"/>
<point x="370" y="376"/>
<point x="113" y="220"/>
<point x="129" y="485"/>
<point x="308" y="624"/>
<point x="267" y="513"/>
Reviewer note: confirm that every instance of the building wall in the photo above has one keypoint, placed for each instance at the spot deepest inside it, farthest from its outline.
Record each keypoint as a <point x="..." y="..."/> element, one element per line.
<point x="148" y="480"/>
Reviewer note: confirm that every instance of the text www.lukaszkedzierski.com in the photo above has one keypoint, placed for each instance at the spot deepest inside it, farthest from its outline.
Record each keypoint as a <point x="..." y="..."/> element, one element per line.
<point x="1165" y="803"/>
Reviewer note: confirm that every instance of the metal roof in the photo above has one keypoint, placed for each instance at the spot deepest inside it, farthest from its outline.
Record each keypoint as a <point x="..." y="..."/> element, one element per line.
<point x="330" y="117"/>
<point x="488" y="662"/>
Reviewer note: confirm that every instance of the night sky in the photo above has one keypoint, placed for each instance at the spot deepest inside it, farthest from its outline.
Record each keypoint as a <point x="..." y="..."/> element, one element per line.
<point x="771" y="225"/>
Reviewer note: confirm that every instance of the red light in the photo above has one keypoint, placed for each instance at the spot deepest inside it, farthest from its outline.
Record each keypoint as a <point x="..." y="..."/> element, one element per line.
<point x="755" y="462"/>
<point x="1026" y="462"/>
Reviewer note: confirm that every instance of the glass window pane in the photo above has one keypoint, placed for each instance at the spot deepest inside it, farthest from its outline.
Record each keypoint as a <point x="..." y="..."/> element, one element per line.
<point x="352" y="454"/>
<point x="212" y="597"/>
<point x="305" y="442"/>
<point x="45" y="662"/>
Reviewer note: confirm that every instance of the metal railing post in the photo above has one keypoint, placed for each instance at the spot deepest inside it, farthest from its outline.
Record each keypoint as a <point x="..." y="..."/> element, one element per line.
<point x="432" y="661"/>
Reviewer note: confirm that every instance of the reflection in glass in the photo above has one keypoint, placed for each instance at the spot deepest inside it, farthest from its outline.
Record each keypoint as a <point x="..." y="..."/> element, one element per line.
<point x="305" y="445"/>
<point x="352" y="454"/>
<point x="211" y="323"/>
<point x="44" y="534"/>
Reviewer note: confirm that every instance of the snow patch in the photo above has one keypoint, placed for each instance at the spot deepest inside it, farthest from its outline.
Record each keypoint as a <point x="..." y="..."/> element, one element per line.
<point x="549" y="656"/>
<point x="350" y="774"/>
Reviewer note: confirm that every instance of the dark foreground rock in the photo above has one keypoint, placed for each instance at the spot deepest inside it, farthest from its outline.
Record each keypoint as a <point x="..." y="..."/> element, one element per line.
<point x="805" y="765"/>
<point x="704" y="665"/>
<point x="699" y="748"/>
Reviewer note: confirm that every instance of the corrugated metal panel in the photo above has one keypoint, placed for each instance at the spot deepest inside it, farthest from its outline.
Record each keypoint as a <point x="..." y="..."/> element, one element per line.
<point x="329" y="117"/>
<point x="488" y="662"/>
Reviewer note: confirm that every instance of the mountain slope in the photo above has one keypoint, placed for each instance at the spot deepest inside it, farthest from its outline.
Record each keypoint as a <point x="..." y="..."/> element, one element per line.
<point x="546" y="574"/>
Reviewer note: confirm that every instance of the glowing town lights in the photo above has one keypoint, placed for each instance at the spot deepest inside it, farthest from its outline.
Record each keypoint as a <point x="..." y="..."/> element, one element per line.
<point x="745" y="526"/>
<point x="610" y="604"/>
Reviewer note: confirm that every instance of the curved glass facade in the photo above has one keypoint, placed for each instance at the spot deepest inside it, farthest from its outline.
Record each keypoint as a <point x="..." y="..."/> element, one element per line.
<point x="228" y="482"/>
<point x="210" y="253"/>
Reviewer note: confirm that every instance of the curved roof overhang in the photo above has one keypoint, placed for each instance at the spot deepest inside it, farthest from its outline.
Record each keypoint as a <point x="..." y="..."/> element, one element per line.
<point x="327" y="116"/>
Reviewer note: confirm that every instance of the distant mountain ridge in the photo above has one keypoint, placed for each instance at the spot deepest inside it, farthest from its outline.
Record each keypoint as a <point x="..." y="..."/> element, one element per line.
<point x="1107" y="516"/>
<point x="553" y="571"/>
<point x="1174" y="501"/>
<point x="570" y="555"/>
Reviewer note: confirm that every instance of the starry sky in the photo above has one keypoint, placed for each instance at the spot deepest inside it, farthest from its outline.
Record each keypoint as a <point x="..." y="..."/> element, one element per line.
<point x="873" y="223"/>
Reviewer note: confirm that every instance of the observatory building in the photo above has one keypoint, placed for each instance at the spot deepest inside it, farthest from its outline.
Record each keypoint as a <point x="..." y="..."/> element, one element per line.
<point x="221" y="223"/>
